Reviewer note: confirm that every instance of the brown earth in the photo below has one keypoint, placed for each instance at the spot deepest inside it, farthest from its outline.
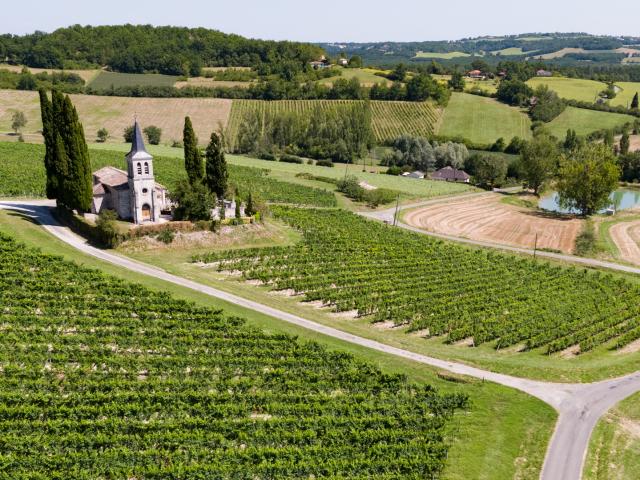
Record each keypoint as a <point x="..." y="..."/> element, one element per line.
<point x="210" y="82"/>
<point x="116" y="113"/>
<point x="487" y="219"/>
<point x="86" y="75"/>
<point x="626" y="235"/>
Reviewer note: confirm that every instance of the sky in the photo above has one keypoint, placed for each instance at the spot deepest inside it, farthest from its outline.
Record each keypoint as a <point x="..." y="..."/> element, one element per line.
<point x="337" y="20"/>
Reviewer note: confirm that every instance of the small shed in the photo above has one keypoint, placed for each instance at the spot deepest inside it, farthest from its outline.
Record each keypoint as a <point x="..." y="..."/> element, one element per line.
<point x="544" y="73"/>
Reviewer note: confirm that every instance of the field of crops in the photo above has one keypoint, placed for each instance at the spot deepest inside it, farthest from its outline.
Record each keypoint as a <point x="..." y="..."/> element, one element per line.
<point x="105" y="379"/>
<point x="366" y="76"/>
<point x="389" y="119"/>
<point x="483" y="120"/>
<point x="443" y="56"/>
<point x="442" y="289"/>
<point x="22" y="175"/>
<point x="106" y="80"/>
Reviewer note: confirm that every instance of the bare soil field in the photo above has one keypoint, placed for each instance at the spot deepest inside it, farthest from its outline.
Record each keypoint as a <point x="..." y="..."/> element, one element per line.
<point x="487" y="219"/>
<point x="626" y="236"/>
<point x="86" y="75"/>
<point x="116" y="113"/>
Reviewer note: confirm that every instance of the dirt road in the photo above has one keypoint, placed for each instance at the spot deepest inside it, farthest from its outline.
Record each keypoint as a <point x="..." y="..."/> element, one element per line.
<point x="626" y="235"/>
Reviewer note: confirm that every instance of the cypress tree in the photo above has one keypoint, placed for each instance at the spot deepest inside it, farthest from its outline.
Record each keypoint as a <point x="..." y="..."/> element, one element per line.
<point x="77" y="185"/>
<point x="49" y="134"/>
<point x="624" y="143"/>
<point x="216" y="167"/>
<point x="248" y="209"/>
<point x="238" y="211"/>
<point x="192" y="156"/>
<point x="634" y="102"/>
<point x="59" y="159"/>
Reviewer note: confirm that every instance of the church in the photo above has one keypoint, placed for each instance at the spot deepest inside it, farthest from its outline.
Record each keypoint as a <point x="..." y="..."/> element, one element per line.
<point x="134" y="195"/>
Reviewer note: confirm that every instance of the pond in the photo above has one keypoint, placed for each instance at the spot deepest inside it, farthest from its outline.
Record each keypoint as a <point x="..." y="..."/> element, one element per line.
<point x="620" y="200"/>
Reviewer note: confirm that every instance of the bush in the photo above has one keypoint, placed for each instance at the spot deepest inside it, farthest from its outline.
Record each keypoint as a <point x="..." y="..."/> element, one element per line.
<point x="194" y="202"/>
<point x="324" y="163"/>
<point x="166" y="236"/>
<point x="153" y="134"/>
<point x="267" y="156"/>
<point x="107" y="229"/>
<point x="127" y="134"/>
<point x="177" y="144"/>
<point x="291" y="159"/>
<point x="586" y="242"/>
<point x="394" y="171"/>
<point x="102" y="135"/>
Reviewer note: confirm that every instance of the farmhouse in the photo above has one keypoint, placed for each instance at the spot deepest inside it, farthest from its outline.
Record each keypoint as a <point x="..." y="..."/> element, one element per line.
<point x="450" y="174"/>
<point x="134" y="194"/>
<point x="475" y="74"/>
<point x="343" y="62"/>
<point x="544" y="73"/>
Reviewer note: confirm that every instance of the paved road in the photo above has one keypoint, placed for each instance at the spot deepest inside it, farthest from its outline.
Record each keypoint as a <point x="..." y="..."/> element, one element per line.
<point x="387" y="216"/>
<point x="579" y="405"/>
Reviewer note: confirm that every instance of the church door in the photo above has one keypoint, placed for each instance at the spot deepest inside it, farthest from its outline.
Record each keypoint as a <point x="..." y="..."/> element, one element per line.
<point x="146" y="212"/>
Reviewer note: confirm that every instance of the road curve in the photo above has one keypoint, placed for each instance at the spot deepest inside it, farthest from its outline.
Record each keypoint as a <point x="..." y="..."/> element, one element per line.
<point x="579" y="405"/>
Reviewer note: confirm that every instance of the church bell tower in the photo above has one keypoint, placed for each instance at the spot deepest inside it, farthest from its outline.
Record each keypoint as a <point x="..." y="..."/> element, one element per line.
<point x="142" y="195"/>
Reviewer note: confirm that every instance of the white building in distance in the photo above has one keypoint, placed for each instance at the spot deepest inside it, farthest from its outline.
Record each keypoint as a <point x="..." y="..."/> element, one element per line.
<point x="134" y="195"/>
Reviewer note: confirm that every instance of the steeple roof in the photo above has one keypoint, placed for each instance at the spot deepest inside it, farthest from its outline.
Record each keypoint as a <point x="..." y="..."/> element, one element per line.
<point x="137" y="145"/>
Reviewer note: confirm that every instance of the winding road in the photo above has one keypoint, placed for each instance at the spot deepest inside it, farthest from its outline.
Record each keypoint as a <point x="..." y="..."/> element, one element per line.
<point x="580" y="406"/>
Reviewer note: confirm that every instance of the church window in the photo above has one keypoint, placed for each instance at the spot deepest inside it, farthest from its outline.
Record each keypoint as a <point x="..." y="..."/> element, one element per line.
<point x="144" y="190"/>
<point x="139" y="169"/>
<point x="146" y="168"/>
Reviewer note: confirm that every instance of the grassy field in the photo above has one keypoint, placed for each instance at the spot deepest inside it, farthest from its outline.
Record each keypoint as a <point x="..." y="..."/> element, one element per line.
<point x="518" y="440"/>
<point x="106" y="80"/>
<point x="585" y="121"/>
<point x="411" y="187"/>
<point x="571" y="88"/>
<point x="614" y="451"/>
<point x="512" y="51"/>
<point x="366" y="76"/>
<point x="443" y="56"/>
<point x="625" y="95"/>
<point x="116" y="113"/>
<point x="389" y="119"/>
<point x="483" y="120"/>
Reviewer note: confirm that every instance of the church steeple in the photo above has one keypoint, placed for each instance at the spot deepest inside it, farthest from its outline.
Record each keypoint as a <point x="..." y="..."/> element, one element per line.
<point x="137" y="144"/>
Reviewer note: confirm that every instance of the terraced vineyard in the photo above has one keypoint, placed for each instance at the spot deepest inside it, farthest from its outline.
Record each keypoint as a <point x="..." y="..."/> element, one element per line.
<point x="442" y="289"/>
<point x="104" y="379"/>
<point x="22" y="175"/>
<point x="389" y="119"/>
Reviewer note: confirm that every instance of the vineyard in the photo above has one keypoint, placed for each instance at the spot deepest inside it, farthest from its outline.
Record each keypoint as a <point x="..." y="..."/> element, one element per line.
<point x="22" y="175"/>
<point x="441" y="289"/>
<point x="104" y="379"/>
<point x="389" y="119"/>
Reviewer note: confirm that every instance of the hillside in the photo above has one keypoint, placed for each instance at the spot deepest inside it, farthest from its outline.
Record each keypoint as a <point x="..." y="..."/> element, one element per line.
<point x="561" y="48"/>
<point x="144" y="48"/>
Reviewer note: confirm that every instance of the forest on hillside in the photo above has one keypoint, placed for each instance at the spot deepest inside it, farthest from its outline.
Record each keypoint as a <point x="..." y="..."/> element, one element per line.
<point x="145" y="49"/>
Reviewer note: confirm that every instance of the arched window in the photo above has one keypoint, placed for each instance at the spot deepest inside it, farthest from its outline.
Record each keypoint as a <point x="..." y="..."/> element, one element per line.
<point x="144" y="190"/>
<point x="139" y="169"/>
<point x="146" y="168"/>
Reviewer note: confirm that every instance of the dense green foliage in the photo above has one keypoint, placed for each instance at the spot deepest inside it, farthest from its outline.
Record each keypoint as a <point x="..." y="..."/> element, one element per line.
<point x="192" y="156"/>
<point x="388" y="119"/>
<point x="341" y="133"/>
<point x="441" y="288"/>
<point x="350" y="186"/>
<point x="547" y="105"/>
<point x="22" y="174"/>
<point x="144" y="48"/>
<point x="193" y="201"/>
<point x="216" y="174"/>
<point x="539" y="160"/>
<point x="587" y="177"/>
<point x="115" y="381"/>
<point x="419" y="153"/>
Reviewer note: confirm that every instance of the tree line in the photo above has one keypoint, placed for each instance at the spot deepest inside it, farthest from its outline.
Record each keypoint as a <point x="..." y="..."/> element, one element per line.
<point x="341" y="132"/>
<point x="145" y="48"/>
<point x="67" y="163"/>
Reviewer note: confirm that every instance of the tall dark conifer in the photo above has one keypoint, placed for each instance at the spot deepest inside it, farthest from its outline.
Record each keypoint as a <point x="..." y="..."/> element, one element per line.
<point x="634" y="102"/>
<point x="49" y="134"/>
<point x="216" y="168"/>
<point x="192" y="156"/>
<point x="59" y="158"/>
<point x="77" y="185"/>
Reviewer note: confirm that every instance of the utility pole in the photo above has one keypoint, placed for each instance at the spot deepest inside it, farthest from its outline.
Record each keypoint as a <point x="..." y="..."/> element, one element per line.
<point x="395" y="214"/>
<point x="535" y="246"/>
